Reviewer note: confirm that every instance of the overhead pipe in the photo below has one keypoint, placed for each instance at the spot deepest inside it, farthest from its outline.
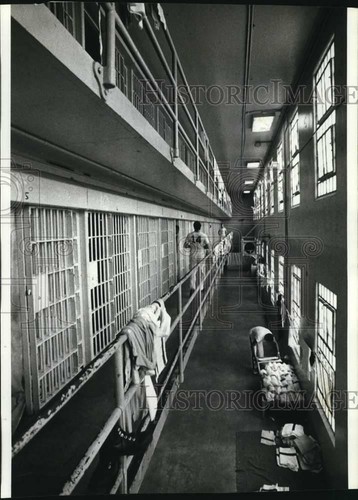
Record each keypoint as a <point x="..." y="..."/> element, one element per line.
<point x="249" y="29"/>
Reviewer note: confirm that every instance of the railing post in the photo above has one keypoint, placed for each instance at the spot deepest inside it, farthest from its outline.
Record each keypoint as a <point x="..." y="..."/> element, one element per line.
<point x="181" y="364"/>
<point x="176" y="126"/>
<point x="197" y="143"/>
<point x="109" y="74"/>
<point x="119" y="391"/>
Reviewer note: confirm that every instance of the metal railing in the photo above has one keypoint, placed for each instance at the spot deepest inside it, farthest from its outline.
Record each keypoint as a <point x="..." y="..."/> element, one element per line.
<point x="212" y="265"/>
<point x="163" y="106"/>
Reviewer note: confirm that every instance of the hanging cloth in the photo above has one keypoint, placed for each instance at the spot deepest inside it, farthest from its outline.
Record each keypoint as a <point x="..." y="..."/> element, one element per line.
<point x="100" y="34"/>
<point x="155" y="16"/>
<point x="138" y="11"/>
<point x="161" y="16"/>
<point x="151" y="397"/>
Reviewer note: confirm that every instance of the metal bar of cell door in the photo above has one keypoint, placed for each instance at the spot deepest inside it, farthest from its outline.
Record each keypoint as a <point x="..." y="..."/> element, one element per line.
<point x="181" y="365"/>
<point x="119" y="388"/>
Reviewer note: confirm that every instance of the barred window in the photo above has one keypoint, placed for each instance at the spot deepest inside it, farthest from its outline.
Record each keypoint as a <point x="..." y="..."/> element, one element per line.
<point x="323" y="84"/>
<point x="272" y="192"/>
<point x="267" y="194"/>
<point x="272" y="276"/>
<point x="280" y="194"/>
<point x="294" y="145"/>
<point x="326" y="309"/>
<point x="296" y="294"/>
<point x="325" y="123"/>
<point x="295" y="162"/>
<point x="326" y="156"/>
<point x="281" y="275"/>
<point x="295" y="182"/>
<point x="296" y="308"/>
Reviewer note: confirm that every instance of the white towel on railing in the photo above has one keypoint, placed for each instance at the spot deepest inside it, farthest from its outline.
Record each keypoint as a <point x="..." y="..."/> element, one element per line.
<point x="159" y="322"/>
<point x="151" y="397"/>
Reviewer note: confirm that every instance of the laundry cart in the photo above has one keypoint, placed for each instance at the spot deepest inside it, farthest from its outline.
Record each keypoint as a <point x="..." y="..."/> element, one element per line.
<point x="266" y="351"/>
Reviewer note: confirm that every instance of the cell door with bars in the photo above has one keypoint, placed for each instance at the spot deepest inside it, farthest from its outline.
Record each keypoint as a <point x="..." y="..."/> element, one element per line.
<point x="148" y="260"/>
<point x="100" y="280"/>
<point x="167" y="254"/>
<point x="184" y="229"/>
<point x="122" y="270"/>
<point x="55" y="338"/>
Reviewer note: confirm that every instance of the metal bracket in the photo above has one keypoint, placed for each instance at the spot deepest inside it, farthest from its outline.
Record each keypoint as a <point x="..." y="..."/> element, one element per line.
<point x="98" y="73"/>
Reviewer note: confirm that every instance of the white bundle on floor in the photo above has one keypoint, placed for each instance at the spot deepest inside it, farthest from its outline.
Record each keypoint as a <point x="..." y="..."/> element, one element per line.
<point x="278" y="378"/>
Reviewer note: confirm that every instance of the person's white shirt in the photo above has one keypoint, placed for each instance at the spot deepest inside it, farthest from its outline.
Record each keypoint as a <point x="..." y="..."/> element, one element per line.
<point x="222" y="232"/>
<point x="198" y="242"/>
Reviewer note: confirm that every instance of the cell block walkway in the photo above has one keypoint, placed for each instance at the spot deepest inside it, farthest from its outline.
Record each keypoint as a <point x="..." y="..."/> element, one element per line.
<point x="196" y="452"/>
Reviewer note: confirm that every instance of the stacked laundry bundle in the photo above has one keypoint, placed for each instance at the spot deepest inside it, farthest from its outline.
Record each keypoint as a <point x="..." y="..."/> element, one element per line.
<point x="268" y="438"/>
<point x="146" y="334"/>
<point x="297" y="449"/>
<point x="279" y="381"/>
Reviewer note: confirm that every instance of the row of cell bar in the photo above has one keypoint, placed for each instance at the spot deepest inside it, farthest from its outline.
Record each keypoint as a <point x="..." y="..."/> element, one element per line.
<point x="61" y="285"/>
<point x="99" y="248"/>
<point x="53" y="255"/>
<point x="100" y="229"/>
<point x="49" y="224"/>
<point x="164" y="223"/>
<point x="101" y="295"/>
<point x="147" y="249"/>
<point x="56" y="317"/>
<point x="102" y="339"/>
<point x="59" y="376"/>
<point x="101" y="317"/>
<point x="56" y="348"/>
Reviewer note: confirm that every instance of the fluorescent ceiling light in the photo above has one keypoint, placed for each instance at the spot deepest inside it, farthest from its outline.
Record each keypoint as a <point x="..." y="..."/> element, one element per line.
<point x="253" y="164"/>
<point x="247" y="191"/>
<point x="249" y="182"/>
<point x="262" y="123"/>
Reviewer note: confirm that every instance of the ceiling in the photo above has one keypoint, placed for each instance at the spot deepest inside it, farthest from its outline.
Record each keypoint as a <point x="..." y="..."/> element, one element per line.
<point x="211" y="43"/>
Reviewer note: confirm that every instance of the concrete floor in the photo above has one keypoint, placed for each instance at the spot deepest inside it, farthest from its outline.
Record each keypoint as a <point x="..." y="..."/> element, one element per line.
<point x="196" y="451"/>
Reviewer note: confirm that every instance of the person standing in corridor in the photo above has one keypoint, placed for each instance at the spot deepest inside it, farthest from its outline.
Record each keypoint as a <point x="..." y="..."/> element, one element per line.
<point x="199" y="245"/>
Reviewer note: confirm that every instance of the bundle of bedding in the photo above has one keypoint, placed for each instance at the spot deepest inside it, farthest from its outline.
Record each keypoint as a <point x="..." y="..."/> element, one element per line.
<point x="279" y="381"/>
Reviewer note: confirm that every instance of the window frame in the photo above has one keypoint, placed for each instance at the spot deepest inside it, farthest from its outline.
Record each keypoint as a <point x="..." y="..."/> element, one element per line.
<point x="325" y="184"/>
<point x="325" y="354"/>
<point x="272" y="277"/>
<point x="280" y="179"/>
<point x="295" y="317"/>
<point x="295" y="197"/>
